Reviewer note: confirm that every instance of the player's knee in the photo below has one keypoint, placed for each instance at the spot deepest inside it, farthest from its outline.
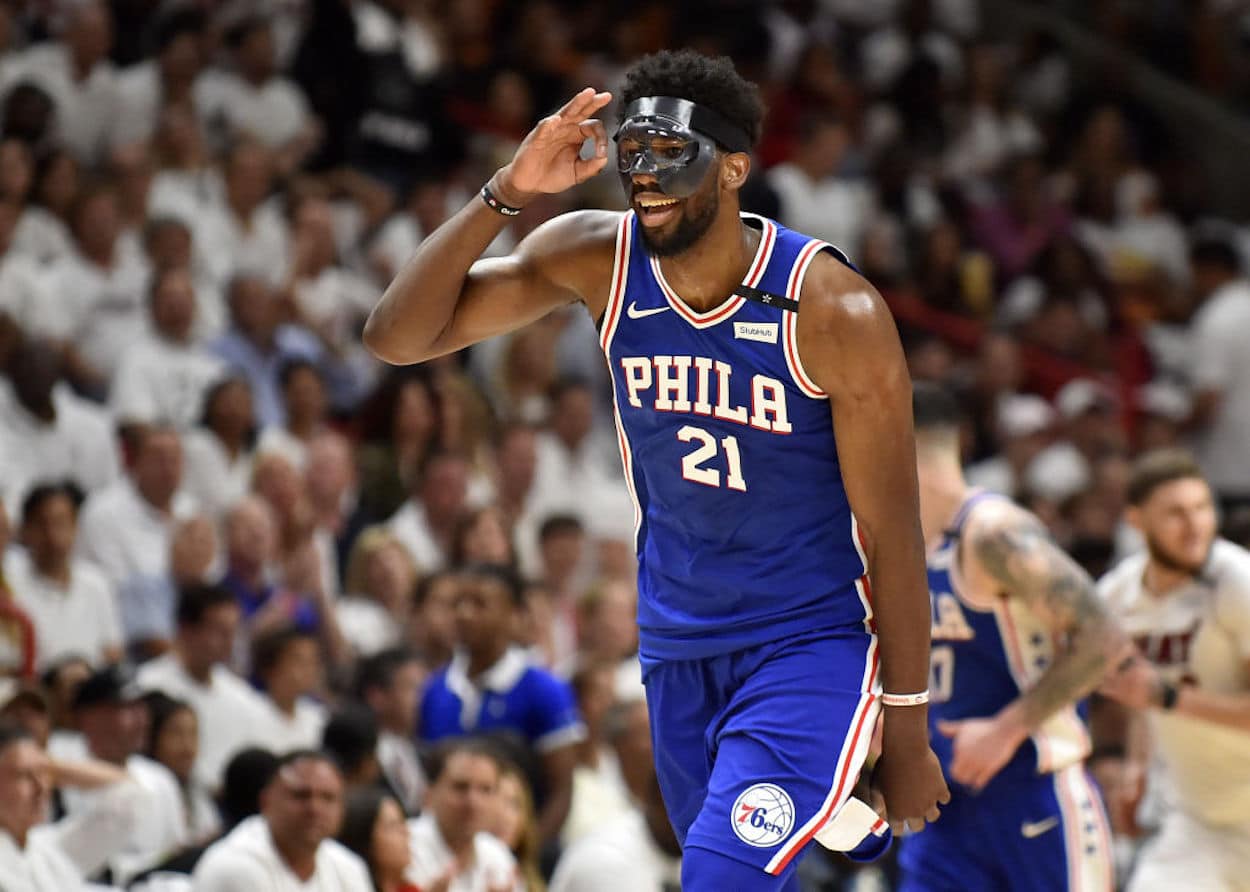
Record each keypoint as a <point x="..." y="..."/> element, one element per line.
<point x="703" y="870"/>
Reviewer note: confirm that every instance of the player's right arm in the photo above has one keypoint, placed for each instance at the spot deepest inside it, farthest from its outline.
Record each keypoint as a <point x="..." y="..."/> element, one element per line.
<point x="1008" y="553"/>
<point x="446" y="298"/>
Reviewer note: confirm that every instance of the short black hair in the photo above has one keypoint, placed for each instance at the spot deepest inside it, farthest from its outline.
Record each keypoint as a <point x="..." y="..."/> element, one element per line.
<point x="710" y="81"/>
<point x="558" y="524"/>
<point x="11" y="733"/>
<point x="1215" y="250"/>
<point x="379" y="671"/>
<point x="934" y="407"/>
<point x="175" y="24"/>
<point x="45" y="492"/>
<point x="427" y="583"/>
<point x="161" y="708"/>
<point x="350" y="737"/>
<point x="269" y="647"/>
<point x="499" y="573"/>
<point x="196" y="600"/>
<point x="472" y="746"/>
<point x="1158" y="468"/>
<point x="247" y="773"/>
<point x="291" y="366"/>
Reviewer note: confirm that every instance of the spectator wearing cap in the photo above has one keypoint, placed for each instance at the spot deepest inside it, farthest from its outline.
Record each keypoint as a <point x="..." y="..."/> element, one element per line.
<point x="111" y="718"/>
<point x="1220" y="369"/>
<point x="72" y="604"/>
<point x="491" y="687"/>
<point x="163" y="377"/>
<point x="389" y="683"/>
<point x="47" y="432"/>
<point x="289" y="846"/>
<point x="230" y="713"/>
<point x="287" y="662"/>
<point x="451" y="848"/>
<point x="35" y="856"/>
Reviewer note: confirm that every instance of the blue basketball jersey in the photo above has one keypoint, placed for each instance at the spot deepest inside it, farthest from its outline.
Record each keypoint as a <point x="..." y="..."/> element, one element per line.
<point x="743" y="530"/>
<point x="982" y="658"/>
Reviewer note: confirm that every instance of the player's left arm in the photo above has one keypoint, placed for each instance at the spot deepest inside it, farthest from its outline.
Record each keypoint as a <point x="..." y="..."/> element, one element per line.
<point x="1139" y="685"/>
<point x="850" y="348"/>
<point x="1007" y="552"/>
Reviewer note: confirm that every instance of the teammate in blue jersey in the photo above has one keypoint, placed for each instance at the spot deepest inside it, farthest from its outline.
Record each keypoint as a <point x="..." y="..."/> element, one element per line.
<point x="1019" y="635"/>
<point x="769" y="451"/>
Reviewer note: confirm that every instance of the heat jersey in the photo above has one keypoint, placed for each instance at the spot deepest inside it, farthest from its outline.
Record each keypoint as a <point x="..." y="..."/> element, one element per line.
<point x="983" y="658"/>
<point x="743" y="530"/>
<point x="1199" y="632"/>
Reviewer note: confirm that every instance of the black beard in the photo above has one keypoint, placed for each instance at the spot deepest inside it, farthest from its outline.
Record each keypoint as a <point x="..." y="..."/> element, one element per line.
<point x="1160" y="556"/>
<point x="691" y="226"/>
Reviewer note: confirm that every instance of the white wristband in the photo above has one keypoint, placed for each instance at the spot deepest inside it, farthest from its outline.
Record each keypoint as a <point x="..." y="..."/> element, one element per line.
<point x="919" y="699"/>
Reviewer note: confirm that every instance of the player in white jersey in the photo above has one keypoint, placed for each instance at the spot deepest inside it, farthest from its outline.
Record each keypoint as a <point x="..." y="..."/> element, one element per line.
<point x="1186" y="602"/>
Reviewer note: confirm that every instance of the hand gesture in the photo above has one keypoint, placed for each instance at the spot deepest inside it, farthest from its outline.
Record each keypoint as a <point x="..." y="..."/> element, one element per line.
<point x="981" y="747"/>
<point x="908" y="777"/>
<point x="549" y="160"/>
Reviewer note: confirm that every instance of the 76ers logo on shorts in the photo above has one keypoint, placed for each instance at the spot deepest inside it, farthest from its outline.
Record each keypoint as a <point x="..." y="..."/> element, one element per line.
<point x="763" y="815"/>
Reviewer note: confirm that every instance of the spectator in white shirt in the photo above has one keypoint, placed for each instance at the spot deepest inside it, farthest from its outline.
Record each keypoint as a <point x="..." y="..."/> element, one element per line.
<point x="815" y="197"/>
<point x="307" y="413"/>
<point x="451" y="848"/>
<point x="245" y="234"/>
<point x="127" y="530"/>
<point x="390" y="683"/>
<point x="377" y="592"/>
<point x="47" y="432"/>
<point x="287" y="661"/>
<point x="220" y="450"/>
<point x="43" y="232"/>
<point x="71" y="603"/>
<point x="428" y="520"/>
<point x="111" y="718"/>
<point x="255" y="101"/>
<point x="167" y="78"/>
<point x="24" y="292"/>
<point x="230" y="713"/>
<point x="288" y="847"/>
<point x="100" y="290"/>
<point x="162" y="379"/>
<point x="76" y="72"/>
<point x="38" y="857"/>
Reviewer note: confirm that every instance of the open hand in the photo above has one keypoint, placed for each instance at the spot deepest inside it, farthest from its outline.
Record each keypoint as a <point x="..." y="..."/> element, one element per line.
<point x="981" y="748"/>
<point x="549" y="160"/>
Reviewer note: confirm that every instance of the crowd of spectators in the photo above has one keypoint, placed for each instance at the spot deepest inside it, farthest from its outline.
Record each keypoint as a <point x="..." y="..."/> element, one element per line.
<point x="261" y="590"/>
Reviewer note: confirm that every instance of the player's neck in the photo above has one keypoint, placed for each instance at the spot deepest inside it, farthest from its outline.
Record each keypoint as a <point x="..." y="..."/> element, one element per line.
<point x="707" y="274"/>
<point x="1161" y="580"/>
<point x="942" y="493"/>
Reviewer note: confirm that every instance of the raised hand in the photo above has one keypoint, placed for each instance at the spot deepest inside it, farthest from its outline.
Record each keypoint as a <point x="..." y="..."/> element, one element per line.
<point x="549" y="160"/>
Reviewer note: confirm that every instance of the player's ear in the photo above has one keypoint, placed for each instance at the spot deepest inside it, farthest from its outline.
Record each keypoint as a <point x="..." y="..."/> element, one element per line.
<point x="734" y="169"/>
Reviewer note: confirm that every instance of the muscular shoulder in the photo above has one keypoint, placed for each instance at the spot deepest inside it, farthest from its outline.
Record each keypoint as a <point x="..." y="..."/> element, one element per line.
<point x="846" y="334"/>
<point x="576" y="252"/>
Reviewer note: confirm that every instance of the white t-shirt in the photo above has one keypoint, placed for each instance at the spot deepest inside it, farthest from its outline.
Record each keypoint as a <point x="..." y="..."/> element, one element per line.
<point x="231" y="714"/>
<point x="84" y="110"/>
<point x="410" y="527"/>
<point x="163" y="381"/>
<point x="80" y="619"/>
<point x="40" y="867"/>
<point x="273" y="113"/>
<point x="231" y="246"/>
<point x="124" y="535"/>
<point x="246" y="859"/>
<point x="41" y="236"/>
<point x="284" y="733"/>
<point x="491" y="868"/>
<point x="619" y="857"/>
<point x="833" y="209"/>
<point x="1220" y="361"/>
<point x="1200" y="631"/>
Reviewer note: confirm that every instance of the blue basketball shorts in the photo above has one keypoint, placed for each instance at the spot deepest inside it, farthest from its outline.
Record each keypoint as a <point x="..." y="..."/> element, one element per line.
<point x="757" y="749"/>
<point x="1040" y="834"/>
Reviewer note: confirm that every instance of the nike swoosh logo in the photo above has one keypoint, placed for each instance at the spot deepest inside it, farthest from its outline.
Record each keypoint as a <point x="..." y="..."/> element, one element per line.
<point x="633" y="312"/>
<point x="1032" y="829"/>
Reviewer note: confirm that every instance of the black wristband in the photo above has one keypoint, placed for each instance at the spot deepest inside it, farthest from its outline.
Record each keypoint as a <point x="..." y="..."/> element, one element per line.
<point x="1167" y="700"/>
<point x="496" y="205"/>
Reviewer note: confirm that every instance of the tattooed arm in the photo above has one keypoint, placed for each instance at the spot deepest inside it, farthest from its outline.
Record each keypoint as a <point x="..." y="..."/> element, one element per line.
<point x="1007" y="553"/>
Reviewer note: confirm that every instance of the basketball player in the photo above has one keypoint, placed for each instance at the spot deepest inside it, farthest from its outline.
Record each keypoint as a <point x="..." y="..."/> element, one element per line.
<point x="1019" y="635"/>
<point x="1185" y="601"/>
<point x="768" y="449"/>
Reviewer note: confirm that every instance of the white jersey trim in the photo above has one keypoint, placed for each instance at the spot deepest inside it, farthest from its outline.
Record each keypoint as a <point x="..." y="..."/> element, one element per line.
<point x="790" y="337"/>
<point x="620" y="275"/>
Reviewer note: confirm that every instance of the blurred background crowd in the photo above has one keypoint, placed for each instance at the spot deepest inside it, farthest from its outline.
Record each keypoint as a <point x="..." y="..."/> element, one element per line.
<point x="229" y="534"/>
